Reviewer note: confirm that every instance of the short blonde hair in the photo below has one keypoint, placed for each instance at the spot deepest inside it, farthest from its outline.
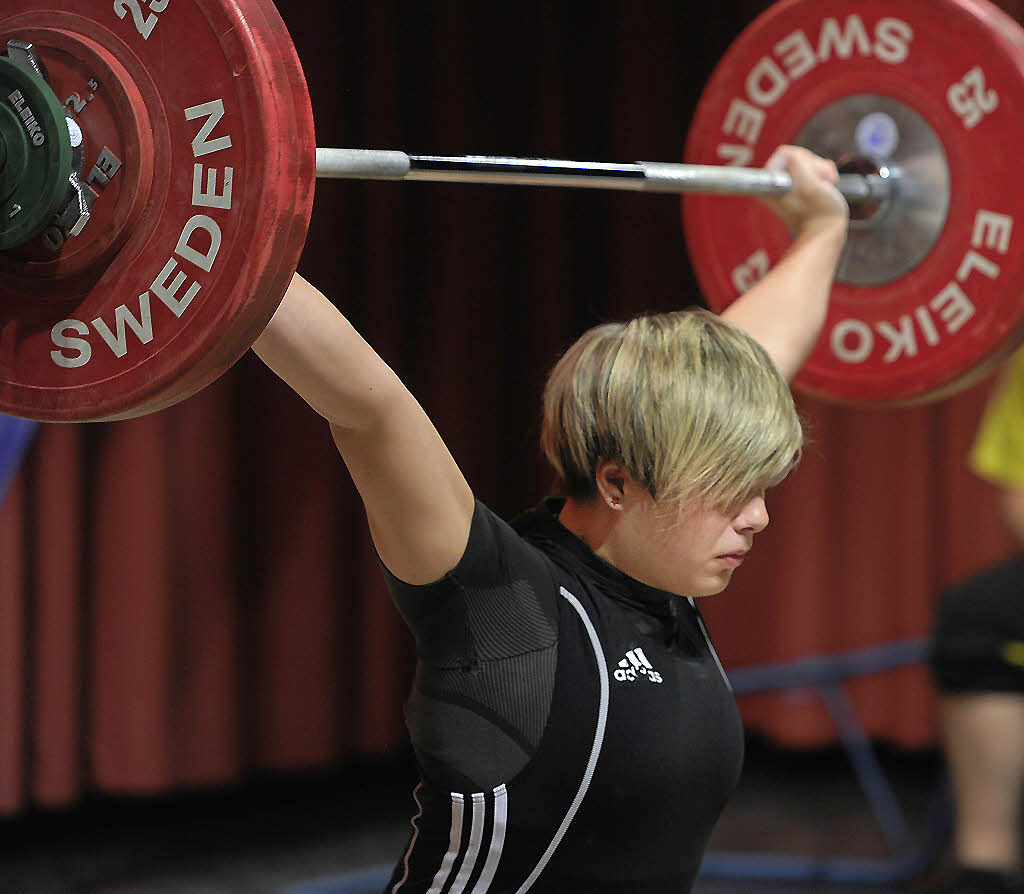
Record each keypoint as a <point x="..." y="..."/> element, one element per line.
<point x="692" y="407"/>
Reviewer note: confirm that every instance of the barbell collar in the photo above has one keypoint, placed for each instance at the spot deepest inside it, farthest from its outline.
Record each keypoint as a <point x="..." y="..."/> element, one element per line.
<point x="373" y="164"/>
<point x="362" y="164"/>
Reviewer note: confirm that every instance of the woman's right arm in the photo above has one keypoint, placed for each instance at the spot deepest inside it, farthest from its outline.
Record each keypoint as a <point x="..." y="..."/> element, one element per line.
<point x="418" y="504"/>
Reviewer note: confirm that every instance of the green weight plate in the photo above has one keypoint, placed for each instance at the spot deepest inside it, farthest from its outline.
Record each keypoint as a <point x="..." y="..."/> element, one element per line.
<point x="36" y="162"/>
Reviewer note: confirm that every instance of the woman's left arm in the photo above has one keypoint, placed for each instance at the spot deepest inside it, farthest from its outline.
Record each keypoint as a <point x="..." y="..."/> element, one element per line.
<point x="786" y="310"/>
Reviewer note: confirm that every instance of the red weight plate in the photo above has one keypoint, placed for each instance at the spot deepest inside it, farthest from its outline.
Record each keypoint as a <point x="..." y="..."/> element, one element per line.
<point x="296" y="167"/>
<point x="115" y="331"/>
<point x="931" y="305"/>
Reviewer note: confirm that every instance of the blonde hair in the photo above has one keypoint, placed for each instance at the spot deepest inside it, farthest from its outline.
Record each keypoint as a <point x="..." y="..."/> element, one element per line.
<point x="692" y="407"/>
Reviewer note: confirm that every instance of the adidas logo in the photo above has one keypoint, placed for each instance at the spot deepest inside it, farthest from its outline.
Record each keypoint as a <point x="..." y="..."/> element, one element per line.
<point x="635" y="665"/>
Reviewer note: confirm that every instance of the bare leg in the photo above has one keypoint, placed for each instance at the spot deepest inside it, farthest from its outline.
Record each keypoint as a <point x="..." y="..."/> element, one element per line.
<point x="984" y="743"/>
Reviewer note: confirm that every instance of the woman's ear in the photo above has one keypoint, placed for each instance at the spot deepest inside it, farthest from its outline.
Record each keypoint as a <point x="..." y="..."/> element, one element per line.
<point x="611" y="477"/>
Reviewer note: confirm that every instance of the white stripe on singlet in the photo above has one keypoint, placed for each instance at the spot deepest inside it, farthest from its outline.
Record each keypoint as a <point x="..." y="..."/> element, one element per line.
<point x="595" y="751"/>
<point x="497" y="841"/>
<point x="454" y="840"/>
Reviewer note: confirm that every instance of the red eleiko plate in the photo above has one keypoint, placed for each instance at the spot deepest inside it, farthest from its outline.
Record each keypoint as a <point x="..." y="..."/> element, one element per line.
<point x="196" y="115"/>
<point x="931" y="88"/>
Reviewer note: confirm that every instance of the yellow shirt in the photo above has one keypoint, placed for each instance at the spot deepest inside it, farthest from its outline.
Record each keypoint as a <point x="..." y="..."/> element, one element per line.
<point x="998" y="451"/>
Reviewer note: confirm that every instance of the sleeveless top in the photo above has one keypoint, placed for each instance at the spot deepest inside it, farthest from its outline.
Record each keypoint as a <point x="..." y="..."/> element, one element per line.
<point x="573" y="727"/>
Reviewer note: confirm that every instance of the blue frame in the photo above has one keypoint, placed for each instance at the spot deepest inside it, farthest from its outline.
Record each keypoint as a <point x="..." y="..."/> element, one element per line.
<point x="825" y="676"/>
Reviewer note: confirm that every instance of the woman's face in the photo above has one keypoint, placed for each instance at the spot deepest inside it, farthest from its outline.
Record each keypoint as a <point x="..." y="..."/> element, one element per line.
<point x="696" y="555"/>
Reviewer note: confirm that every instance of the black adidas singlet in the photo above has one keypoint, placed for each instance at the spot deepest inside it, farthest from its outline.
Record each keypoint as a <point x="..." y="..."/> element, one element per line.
<point x="573" y="728"/>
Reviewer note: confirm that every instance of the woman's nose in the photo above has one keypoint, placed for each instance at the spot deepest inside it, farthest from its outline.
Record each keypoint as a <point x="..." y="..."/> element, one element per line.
<point x="753" y="516"/>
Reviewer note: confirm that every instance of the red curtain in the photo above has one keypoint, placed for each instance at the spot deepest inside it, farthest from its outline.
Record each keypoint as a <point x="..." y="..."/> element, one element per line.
<point x="192" y="596"/>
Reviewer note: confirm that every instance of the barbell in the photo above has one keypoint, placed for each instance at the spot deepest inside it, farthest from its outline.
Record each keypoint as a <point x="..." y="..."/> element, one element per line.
<point x="150" y="224"/>
<point x="642" y="176"/>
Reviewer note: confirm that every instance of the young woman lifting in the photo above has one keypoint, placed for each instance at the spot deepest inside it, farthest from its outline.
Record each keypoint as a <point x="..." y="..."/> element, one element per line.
<point x="573" y="729"/>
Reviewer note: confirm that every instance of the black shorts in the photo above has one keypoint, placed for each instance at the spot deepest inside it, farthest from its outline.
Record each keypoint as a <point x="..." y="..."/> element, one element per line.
<point x="978" y="641"/>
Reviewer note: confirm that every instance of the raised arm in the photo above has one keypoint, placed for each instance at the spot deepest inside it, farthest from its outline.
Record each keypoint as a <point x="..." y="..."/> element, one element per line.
<point x="786" y="310"/>
<point x="417" y="501"/>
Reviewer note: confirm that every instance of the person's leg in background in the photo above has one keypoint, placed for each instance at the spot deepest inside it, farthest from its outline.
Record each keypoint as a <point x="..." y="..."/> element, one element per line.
<point x="983" y="738"/>
<point x="978" y="665"/>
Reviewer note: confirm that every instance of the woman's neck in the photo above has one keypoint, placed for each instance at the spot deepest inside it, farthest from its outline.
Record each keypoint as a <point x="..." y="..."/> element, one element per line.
<point x="590" y="520"/>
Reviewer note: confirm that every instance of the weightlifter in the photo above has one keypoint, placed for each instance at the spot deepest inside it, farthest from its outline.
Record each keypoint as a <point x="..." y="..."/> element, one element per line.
<point x="978" y="665"/>
<point x="573" y="728"/>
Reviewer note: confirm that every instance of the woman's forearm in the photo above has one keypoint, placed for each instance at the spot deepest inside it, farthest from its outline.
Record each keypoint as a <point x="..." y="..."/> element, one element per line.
<point x="786" y="310"/>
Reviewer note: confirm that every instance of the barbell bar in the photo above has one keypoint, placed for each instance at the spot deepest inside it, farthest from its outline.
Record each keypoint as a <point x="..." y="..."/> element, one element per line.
<point x="641" y="176"/>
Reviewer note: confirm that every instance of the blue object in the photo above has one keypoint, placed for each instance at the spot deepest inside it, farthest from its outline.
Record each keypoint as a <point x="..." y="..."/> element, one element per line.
<point x="370" y="880"/>
<point x="15" y="436"/>
<point x="824" y="675"/>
